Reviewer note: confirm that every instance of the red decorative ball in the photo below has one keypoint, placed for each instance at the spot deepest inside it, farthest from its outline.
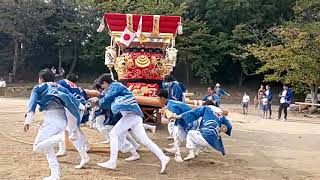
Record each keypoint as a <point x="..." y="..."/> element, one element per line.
<point x="126" y="37"/>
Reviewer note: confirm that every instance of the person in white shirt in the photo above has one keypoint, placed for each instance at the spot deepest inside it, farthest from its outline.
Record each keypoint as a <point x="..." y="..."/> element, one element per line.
<point x="285" y="100"/>
<point x="2" y="86"/>
<point x="264" y="103"/>
<point x="245" y="103"/>
<point x="2" y="83"/>
<point x="269" y="96"/>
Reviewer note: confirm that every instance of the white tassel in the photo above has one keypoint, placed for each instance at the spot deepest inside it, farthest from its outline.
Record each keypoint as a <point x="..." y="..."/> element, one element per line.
<point x="180" y="31"/>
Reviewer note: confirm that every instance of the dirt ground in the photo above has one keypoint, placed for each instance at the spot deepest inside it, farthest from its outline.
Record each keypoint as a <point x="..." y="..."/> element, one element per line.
<point x="257" y="149"/>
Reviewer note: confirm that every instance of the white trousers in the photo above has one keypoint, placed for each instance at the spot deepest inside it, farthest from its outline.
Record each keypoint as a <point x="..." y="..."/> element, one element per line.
<point x="170" y="128"/>
<point x="80" y="142"/>
<point x="49" y="134"/>
<point x="179" y="135"/>
<point x="196" y="141"/>
<point x="128" y="142"/>
<point x="133" y="122"/>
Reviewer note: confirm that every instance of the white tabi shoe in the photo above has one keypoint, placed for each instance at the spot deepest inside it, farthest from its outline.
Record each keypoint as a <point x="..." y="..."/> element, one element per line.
<point x="190" y="156"/>
<point x="83" y="163"/>
<point x="133" y="158"/>
<point x="52" y="178"/>
<point x="178" y="159"/>
<point x="61" y="153"/>
<point x="164" y="164"/>
<point x="108" y="165"/>
<point x="171" y="150"/>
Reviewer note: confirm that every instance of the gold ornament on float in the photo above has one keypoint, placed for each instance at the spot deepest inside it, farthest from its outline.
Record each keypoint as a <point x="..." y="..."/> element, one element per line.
<point x="142" y="61"/>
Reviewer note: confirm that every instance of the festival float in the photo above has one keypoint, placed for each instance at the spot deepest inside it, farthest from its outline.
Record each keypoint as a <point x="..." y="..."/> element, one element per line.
<point x="141" y="53"/>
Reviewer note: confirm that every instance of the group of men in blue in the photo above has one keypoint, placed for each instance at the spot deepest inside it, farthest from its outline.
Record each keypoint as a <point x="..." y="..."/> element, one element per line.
<point x="63" y="105"/>
<point x="199" y="127"/>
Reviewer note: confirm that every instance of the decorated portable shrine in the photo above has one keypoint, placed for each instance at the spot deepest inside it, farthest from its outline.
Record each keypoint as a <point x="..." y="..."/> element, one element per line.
<point x="142" y="50"/>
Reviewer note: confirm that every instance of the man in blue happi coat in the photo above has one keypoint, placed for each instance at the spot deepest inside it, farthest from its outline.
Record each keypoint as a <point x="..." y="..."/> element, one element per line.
<point x="121" y="100"/>
<point x="55" y="102"/>
<point x="79" y="140"/>
<point x="208" y="135"/>
<point x="212" y="96"/>
<point x="173" y="87"/>
<point x="179" y="129"/>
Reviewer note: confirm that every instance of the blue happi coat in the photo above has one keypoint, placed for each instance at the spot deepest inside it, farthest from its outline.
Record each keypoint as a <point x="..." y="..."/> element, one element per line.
<point x="221" y="92"/>
<point x="178" y="108"/>
<point x="79" y="93"/>
<point x="214" y="97"/>
<point x="209" y="125"/>
<point x="120" y="98"/>
<point x="174" y="89"/>
<point x="44" y="93"/>
<point x="110" y="119"/>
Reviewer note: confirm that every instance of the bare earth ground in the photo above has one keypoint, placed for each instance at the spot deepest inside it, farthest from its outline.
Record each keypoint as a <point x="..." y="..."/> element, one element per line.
<point x="257" y="149"/>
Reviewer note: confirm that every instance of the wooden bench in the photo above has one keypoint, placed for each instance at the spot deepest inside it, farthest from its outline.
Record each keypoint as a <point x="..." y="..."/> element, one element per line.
<point x="304" y="105"/>
<point x="187" y="95"/>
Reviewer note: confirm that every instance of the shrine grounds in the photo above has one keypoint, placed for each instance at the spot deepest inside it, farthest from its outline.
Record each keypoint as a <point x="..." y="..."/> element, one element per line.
<point x="257" y="149"/>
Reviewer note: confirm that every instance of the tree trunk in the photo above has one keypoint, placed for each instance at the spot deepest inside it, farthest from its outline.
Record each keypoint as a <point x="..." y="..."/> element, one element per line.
<point x="60" y="52"/>
<point x="188" y="73"/>
<point x="17" y="47"/>
<point x="314" y="98"/>
<point x="75" y="58"/>
<point x="242" y="77"/>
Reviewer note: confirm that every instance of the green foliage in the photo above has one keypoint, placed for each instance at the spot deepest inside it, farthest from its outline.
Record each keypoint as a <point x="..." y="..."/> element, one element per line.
<point x="295" y="60"/>
<point x="160" y="7"/>
<point x="216" y="32"/>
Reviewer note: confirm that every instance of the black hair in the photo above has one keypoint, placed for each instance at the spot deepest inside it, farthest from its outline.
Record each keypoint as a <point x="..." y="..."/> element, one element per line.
<point x="211" y="87"/>
<point x="73" y="78"/>
<point x="163" y="93"/>
<point x="96" y="85"/>
<point x="169" y="78"/>
<point x="58" y="77"/>
<point x="210" y="102"/>
<point x="105" y="77"/>
<point x="47" y="75"/>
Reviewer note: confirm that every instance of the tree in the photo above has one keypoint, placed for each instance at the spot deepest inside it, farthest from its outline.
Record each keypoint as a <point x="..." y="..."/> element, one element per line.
<point x="296" y="58"/>
<point x="294" y="61"/>
<point x="195" y="47"/>
<point x="24" y="21"/>
<point x="74" y="22"/>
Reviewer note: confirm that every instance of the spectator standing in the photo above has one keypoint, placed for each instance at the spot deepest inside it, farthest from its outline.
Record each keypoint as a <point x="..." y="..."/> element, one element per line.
<point x="285" y="100"/>
<point x="269" y="97"/>
<point x="264" y="104"/>
<point x="261" y="92"/>
<point x="3" y="85"/>
<point x="245" y="103"/>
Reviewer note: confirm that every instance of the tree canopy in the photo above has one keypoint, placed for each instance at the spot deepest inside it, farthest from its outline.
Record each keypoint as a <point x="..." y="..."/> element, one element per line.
<point x="223" y="40"/>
